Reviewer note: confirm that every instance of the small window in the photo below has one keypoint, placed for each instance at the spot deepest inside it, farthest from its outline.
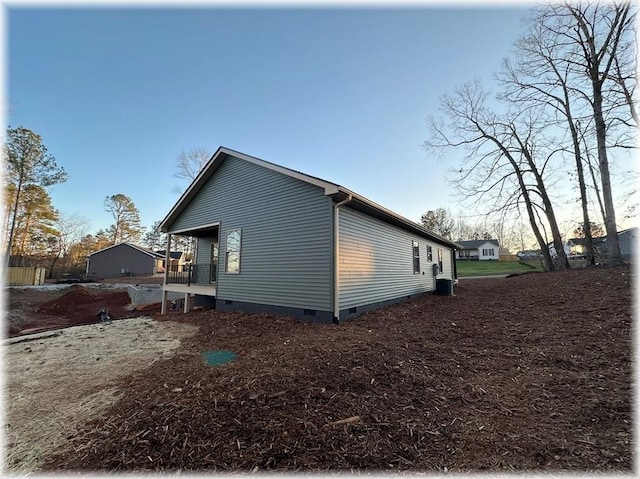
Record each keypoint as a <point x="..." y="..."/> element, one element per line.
<point x="416" y="257"/>
<point x="429" y="254"/>
<point x="440" y="260"/>
<point x="232" y="255"/>
<point x="487" y="252"/>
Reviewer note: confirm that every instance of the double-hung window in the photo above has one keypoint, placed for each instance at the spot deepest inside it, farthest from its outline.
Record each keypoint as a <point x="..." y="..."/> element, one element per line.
<point x="416" y="257"/>
<point x="440" y="260"/>
<point x="429" y="254"/>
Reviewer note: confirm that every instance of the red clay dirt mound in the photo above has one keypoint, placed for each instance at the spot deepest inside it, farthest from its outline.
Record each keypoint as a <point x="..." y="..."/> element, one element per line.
<point x="79" y="306"/>
<point x="82" y="304"/>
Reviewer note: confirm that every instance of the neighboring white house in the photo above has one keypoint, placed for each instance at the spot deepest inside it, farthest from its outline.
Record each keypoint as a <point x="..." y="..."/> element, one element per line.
<point x="552" y="249"/>
<point x="479" y="250"/>
<point x="578" y="246"/>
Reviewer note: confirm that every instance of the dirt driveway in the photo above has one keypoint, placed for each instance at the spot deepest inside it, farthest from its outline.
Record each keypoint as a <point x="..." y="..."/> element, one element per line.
<point x="57" y="381"/>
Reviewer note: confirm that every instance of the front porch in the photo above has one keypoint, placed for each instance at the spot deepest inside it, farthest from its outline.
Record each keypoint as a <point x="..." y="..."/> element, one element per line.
<point x="197" y="278"/>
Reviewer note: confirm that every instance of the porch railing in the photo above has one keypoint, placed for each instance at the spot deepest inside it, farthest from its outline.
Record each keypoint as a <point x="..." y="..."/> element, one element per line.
<point x="200" y="273"/>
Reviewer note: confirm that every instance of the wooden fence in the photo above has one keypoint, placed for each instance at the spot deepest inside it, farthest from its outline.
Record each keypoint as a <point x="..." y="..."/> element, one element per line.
<point x="25" y="276"/>
<point x="508" y="257"/>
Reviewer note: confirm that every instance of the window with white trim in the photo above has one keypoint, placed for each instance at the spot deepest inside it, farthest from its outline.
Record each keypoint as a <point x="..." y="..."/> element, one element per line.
<point x="416" y="256"/>
<point x="429" y="254"/>
<point x="487" y="252"/>
<point x="440" y="260"/>
<point x="232" y="254"/>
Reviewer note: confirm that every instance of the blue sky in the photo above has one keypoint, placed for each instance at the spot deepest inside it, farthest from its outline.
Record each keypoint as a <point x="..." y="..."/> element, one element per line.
<point x="339" y="93"/>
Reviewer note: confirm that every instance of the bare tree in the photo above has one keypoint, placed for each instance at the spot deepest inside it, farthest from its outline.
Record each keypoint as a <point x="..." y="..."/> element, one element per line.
<point x="71" y="229"/>
<point x="500" y="167"/>
<point x="462" y="229"/>
<point x="439" y="221"/>
<point x="190" y="163"/>
<point x="594" y="35"/>
<point x="540" y="78"/>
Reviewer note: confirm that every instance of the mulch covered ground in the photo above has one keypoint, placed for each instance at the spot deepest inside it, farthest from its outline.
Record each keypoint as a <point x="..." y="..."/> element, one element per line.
<point x="524" y="373"/>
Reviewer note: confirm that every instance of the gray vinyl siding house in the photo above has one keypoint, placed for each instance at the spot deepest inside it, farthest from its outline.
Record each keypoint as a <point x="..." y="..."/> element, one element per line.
<point x="628" y="240"/>
<point x="123" y="259"/>
<point x="298" y="245"/>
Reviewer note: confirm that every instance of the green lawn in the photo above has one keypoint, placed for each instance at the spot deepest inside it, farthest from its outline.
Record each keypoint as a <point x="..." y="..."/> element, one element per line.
<point x="481" y="268"/>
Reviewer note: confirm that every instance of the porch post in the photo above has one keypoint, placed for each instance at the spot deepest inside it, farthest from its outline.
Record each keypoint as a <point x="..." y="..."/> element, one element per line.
<point x="167" y="265"/>
<point x="163" y="307"/>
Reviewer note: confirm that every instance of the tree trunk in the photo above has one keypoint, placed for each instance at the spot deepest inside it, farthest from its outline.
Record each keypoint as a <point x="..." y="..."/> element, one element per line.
<point x="13" y="221"/>
<point x="562" y="261"/>
<point x="546" y="256"/>
<point x="597" y="190"/>
<point x="583" y="190"/>
<point x="613" y="246"/>
<point x="53" y="263"/>
<point x="597" y="70"/>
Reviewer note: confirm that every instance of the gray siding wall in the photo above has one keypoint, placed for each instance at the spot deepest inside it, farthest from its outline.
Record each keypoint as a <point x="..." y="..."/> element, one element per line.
<point x="376" y="261"/>
<point x="627" y="242"/>
<point x="110" y="263"/>
<point x="286" y="226"/>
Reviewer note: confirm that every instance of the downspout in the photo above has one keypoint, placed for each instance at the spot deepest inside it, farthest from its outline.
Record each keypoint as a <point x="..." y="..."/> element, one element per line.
<point x="336" y="258"/>
<point x="454" y="269"/>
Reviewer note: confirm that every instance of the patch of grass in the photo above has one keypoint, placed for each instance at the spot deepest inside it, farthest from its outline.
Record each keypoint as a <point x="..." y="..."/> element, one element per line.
<point x="484" y="268"/>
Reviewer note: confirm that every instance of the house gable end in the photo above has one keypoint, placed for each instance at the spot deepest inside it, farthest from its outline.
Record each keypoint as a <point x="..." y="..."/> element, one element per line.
<point x="238" y="185"/>
<point x="216" y="162"/>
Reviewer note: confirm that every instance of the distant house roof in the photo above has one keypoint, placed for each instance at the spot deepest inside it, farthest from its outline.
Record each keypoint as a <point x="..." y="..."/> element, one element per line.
<point x="476" y="243"/>
<point x="583" y="241"/>
<point x="620" y="233"/>
<point x="628" y="230"/>
<point x="139" y="248"/>
<point x="335" y="191"/>
<point x="173" y="255"/>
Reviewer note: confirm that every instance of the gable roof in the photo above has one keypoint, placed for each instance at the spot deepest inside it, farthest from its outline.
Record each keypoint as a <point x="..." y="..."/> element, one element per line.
<point x="471" y="244"/>
<point x="336" y="192"/>
<point x="583" y="241"/>
<point x="172" y="255"/>
<point x="142" y="250"/>
<point x="631" y="230"/>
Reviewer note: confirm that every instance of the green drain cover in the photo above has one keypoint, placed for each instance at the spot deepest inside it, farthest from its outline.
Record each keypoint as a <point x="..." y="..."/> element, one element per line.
<point x="216" y="358"/>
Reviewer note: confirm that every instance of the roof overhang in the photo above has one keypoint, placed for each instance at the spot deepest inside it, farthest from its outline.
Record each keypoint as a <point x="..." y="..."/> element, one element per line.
<point x="375" y="210"/>
<point x="124" y="243"/>
<point x="336" y="192"/>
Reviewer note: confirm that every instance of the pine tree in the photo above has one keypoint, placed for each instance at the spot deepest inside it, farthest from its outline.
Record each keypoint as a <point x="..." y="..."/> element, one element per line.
<point x="27" y="164"/>
<point x="126" y="226"/>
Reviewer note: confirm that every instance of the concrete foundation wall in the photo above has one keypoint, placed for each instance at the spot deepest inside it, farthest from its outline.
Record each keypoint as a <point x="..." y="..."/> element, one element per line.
<point x="149" y="294"/>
